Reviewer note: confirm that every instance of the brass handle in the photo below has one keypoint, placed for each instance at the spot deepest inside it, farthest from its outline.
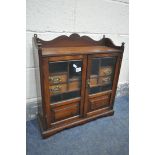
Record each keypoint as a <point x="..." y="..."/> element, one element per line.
<point x="109" y="72"/>
<point x="55" y="89"/>
<point x="106" y="80"/>
<point x="55" y="79"/>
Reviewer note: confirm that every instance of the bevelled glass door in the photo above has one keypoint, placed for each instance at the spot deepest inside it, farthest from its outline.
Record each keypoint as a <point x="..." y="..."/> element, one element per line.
<point x="65" y="88"/>
<point x="100" y="81"/>
<point x="101" y="74"/>
<point x="64" y="80"/>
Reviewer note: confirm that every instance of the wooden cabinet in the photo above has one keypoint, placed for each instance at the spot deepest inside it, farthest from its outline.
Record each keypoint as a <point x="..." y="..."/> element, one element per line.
<point x="76" y="80"/>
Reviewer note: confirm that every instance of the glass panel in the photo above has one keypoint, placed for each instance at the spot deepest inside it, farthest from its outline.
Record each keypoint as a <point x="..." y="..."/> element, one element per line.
<point x="95" y="66"/>
<point x="75" y="69"/>
<point x="64" y="80"/>
<point x="102" y="73"/>
<point x="57" y="67"/>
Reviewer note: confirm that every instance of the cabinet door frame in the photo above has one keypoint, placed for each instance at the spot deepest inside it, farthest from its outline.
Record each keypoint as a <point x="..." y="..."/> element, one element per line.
<point x="45" y="69"/>
<point x="115" y="79"/>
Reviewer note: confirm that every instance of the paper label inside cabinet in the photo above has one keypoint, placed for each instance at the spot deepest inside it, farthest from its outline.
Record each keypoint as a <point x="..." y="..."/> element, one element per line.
<point x="78" y="69"/>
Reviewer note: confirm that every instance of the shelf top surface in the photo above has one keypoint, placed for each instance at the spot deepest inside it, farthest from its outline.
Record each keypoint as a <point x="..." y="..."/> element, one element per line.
<point x="57" y="51"/>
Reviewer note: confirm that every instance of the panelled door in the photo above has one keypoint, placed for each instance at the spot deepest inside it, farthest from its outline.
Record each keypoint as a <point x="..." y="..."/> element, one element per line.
<point x="66" y="78"/>
<point x="100" y="81"/>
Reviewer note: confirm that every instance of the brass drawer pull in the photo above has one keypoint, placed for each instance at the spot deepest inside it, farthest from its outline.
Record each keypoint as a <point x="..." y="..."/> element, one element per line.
<point x="55" y="79"/>
<point x="106" y="79"/>
<point x="56" y="89"/>
<point x="88" y="82"/>
<point x="105" y="71"/>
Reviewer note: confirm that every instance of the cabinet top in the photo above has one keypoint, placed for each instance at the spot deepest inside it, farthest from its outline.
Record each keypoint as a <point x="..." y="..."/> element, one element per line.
<point x="74" y="44"/>
<point x="54" y="51"/>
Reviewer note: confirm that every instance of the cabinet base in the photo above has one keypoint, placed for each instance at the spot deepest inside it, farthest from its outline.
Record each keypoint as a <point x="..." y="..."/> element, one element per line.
<point x="52" y="131"/>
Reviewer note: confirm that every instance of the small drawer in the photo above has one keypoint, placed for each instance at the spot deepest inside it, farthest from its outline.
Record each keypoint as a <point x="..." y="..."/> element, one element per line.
<point x="57" y="89"/>
<point x="105" y="71"/>
<point x="65" y="112"/>
<point x="74" y="85"/>
<point x="58" y="78"/>
<point x="104" y="80"/>
<point x="99" y="102"/>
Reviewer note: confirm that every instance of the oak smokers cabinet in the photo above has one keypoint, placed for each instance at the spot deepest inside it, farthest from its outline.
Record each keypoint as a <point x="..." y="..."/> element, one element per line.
<point x="76" y="80"/>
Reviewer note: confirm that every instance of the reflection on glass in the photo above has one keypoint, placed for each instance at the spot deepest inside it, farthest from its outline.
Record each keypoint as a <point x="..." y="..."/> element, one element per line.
<point x="75" y="69"/>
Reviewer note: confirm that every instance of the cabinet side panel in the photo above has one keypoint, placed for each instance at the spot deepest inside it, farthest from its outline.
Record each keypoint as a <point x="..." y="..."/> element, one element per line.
<point x="116" y="78"/>
<point x="38" y="80"/>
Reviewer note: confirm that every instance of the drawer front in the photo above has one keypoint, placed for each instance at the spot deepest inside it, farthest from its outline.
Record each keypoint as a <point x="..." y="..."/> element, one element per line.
<point x="105" y="71"/>
<point x="105" y="80"/>
<point x="74" y="85"/>
<point x="67" y="111"/>
<point x="99" y="102"/>
<point x="57" y="89"/>
<point x="58" y="79"/>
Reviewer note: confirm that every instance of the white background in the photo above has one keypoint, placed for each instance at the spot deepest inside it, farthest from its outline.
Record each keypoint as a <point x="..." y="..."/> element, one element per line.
<point x="13" y="77"/>
<point x="50" y="19"/>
